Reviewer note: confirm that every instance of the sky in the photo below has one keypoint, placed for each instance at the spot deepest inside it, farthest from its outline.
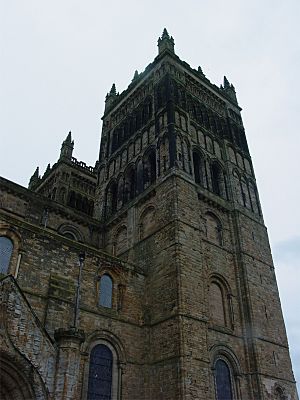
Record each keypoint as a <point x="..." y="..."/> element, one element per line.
<point x="59" y="58"/>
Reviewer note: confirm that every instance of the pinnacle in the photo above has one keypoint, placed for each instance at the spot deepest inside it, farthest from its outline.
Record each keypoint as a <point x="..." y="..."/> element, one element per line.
<point x="36" y="172"/>
<point x="226" y="82"/>
<point x="165" y="34"/>
<point x="113" y="90"/>
<point x="69" y="137"/>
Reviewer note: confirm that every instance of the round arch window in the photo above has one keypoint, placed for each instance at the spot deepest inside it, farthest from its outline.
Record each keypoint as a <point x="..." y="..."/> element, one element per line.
<point x="6" y="249"/>
<point x="223" y="381"/>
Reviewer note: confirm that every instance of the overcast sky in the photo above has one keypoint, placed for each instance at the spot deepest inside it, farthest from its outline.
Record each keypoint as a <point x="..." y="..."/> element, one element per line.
<point x="59" y="58"/>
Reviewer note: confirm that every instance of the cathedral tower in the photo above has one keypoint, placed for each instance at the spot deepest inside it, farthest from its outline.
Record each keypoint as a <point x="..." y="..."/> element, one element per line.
<point x="178" y="196"/>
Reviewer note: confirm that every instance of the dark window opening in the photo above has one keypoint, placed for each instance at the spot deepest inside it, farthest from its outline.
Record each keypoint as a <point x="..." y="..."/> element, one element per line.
<point x="198" y="162"/>
<point x="223" y="381"/>
<point x="216" y="178"/>
<point x="100" y="374"/>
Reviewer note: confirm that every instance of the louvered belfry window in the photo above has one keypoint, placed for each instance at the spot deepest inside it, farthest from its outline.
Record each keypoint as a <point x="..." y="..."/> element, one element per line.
<point x="106" y="286"/>
<point x="6" y="248"/>
<point x="100" y="374"/>
<point x="223" y="381"/>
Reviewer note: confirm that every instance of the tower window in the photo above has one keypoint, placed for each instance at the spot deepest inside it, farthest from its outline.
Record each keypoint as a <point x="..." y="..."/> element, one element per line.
<point x="106" y="286"/>
<point x="6" y="249"/>
<point x="223" y="381"/>
<point x="100" y="375"/>
<point x="216" y="176"/>
<point x="216" y="302"/>
<point x="198" y="167"/>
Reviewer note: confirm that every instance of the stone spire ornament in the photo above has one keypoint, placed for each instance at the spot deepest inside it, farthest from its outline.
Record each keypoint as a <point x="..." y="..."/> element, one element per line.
<point x="67" y="147"/>
<point x="34" y="180"/>
<point x="135" y="76"/>
<point x="165" y="42"/>
<point x="229" y="89"/>
<point x="110" y="97"/>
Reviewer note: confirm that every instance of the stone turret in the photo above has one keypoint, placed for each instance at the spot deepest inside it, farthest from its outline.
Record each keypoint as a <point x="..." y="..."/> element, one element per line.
<point x="165" y="42"/>
<point x="67" y="147"/>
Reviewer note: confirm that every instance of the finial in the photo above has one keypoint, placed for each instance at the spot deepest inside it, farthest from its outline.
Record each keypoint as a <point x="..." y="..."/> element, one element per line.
<point x="165" y="42"/>
<point x="229" y="89"/>
<point x="69" y="137"/>
<point x="135" y="76"/>
<point x="226" y="83"/>
<point x="200" y="71"/>
<point x="48" y="169"/>
<point x="36" y="173"/>
<point x="113" y="90"/>
<point x="34" y="179"/>
<point x="165" y="34"/>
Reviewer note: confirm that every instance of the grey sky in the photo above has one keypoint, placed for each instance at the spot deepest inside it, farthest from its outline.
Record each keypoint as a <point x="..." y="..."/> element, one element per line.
<point x="59" y="59"/>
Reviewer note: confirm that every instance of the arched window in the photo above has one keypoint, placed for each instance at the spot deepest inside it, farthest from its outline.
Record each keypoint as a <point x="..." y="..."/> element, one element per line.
<point x="214" y="231"/>
<point x="198" y="167"/>
<point x="216" y="178"/>
<point x="121" y="241"/>
<point x="223" y="381"/>
<point x="130" y="185"/>
<point x="111" y="198"/>
<point x="149" y="168"/>
<point x="139" y="177"/>
<point x="100" y="374"/>
<point x="216" y="305"/>
<point x="106" y="286"/>
<point x="6" y="248"/>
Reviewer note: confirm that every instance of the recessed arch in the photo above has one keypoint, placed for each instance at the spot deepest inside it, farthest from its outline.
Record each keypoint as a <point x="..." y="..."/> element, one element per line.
<point x="147" y="221"/>
<point x="120" y="240"/>
<point x="220" y="302"/>
<point x="71" y="232"/>
<point x="19" y="380"/>
<point x="214" y="228"/>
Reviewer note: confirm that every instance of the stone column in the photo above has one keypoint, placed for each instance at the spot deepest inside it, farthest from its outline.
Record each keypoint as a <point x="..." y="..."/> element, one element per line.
<point x="68" y="363"/>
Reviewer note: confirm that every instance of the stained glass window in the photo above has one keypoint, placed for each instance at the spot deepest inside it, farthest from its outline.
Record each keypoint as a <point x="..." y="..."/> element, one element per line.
<point x="100" y="374"/>
<point x="106" y="285"/>
<point x="6" y="248"/>
<point x="223" y="381"/>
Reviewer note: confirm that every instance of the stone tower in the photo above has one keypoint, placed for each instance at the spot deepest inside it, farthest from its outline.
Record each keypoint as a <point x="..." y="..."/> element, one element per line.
<point x="148" y="276"/>
<point x="178" y="195"/>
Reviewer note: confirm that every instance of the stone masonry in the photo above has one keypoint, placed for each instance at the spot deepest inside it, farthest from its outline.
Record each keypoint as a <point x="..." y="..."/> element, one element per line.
<point x="170" y="215"/>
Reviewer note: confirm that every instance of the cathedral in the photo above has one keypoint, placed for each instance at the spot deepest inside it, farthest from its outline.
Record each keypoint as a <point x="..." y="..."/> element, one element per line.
<point x="149" y="275"/>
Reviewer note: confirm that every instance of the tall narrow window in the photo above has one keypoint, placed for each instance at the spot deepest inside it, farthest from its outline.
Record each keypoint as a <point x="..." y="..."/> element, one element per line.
<point x="6" y="248"/>
<point x="100" y="374"/>
<point x="216" y="177"/>
<point x="216" y="303"/>
<point x="106" y="285"/>
<point x="223" y="381"/>
<point x="198" y="167"/>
